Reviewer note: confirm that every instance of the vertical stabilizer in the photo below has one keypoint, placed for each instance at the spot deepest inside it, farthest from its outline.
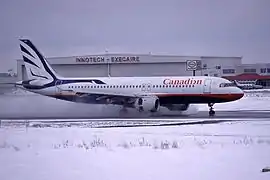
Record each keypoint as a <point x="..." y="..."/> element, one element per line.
<point x="37" y="67"/>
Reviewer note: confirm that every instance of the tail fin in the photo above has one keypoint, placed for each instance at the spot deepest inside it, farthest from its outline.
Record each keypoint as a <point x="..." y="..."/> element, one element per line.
<point x="37" y="67"/>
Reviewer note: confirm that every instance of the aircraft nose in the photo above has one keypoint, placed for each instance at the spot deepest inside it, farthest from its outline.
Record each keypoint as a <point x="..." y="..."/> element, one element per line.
<point x="239" y="93"/>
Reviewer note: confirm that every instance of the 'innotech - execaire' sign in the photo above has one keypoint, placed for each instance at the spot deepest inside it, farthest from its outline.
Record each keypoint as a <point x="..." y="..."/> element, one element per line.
<point x="109" y="59"/>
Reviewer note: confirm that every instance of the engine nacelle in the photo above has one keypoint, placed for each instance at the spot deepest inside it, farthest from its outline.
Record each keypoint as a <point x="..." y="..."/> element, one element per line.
<point x="178" y="107"/>
<point x="149" y="103"/>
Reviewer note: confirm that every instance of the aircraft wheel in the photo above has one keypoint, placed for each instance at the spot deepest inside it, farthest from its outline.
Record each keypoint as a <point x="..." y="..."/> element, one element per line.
<point x="212" y="113"/>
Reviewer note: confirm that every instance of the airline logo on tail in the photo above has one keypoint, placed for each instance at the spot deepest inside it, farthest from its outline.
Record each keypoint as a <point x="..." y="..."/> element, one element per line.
<point x="37" y="67"/>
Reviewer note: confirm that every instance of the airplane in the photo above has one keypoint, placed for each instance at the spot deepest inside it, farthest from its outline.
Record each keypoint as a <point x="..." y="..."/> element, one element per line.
<point x="246" y="86"/>
<point x="145" y="94"/>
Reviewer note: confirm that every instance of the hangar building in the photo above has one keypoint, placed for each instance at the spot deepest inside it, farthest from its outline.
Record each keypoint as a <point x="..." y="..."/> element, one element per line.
<point x="136" y="65"/>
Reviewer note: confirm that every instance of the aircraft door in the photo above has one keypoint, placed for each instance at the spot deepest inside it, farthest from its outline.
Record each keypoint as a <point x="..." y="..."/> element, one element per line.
<point x="207" y="86"/>
<point x="58" y="89"/>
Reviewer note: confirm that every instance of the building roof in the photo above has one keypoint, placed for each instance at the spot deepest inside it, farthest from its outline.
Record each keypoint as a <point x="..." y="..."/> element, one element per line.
<point x="245" y="76"/>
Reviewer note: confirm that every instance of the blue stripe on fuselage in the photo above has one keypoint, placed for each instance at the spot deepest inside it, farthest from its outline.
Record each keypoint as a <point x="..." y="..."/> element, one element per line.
<point x="27" y="85"/>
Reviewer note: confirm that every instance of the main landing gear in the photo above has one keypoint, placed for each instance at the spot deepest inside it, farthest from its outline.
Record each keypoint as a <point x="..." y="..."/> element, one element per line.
<point x="211" y="110"/>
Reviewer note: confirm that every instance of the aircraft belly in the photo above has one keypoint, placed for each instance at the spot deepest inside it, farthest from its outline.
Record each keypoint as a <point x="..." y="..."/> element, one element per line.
<point x="194" y="98"/>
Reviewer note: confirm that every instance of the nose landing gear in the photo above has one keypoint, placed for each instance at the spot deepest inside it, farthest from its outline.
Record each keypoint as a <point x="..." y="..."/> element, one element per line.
<point x="211" y="110"/>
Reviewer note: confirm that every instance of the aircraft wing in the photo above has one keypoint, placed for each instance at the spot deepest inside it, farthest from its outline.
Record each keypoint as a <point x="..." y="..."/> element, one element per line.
<point x="101" y="97"/>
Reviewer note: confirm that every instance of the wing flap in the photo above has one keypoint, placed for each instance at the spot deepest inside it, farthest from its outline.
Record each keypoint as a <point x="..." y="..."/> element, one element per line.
<point x="107" y="97"/>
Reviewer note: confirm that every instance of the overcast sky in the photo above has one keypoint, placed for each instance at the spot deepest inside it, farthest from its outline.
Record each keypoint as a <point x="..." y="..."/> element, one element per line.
<point x="183" y="27"/>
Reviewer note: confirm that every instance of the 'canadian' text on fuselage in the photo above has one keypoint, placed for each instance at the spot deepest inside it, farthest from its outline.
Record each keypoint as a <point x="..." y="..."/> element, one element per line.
<point x="182" y="81"/>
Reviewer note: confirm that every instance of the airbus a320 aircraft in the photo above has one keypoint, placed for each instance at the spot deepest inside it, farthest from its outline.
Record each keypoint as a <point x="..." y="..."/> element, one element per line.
<point x="143" y="93"/>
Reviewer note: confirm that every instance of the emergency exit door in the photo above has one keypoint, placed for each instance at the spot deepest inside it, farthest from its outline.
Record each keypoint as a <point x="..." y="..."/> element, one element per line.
<point x="207" y="86"/>
<point x="146" y="87"/>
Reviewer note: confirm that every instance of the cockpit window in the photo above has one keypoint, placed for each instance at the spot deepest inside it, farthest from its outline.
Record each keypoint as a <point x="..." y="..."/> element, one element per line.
<point x="227" y="85"/>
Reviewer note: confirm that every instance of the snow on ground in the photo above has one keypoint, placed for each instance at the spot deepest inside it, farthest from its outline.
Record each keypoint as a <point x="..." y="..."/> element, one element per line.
<point x="219" y="151"/>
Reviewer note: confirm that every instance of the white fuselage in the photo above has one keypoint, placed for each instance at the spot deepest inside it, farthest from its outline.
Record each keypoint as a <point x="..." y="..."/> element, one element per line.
<point x="159" y="86"/>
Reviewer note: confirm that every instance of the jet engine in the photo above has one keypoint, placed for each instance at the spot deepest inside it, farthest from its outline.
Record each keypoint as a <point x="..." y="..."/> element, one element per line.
<point x="148" y="103"/>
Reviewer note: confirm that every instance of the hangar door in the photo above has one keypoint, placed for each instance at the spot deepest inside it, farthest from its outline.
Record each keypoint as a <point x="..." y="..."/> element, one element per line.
<point x="153" y="69"/>
<point x="24" y="74"/>
<point x="82" y="70"/>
